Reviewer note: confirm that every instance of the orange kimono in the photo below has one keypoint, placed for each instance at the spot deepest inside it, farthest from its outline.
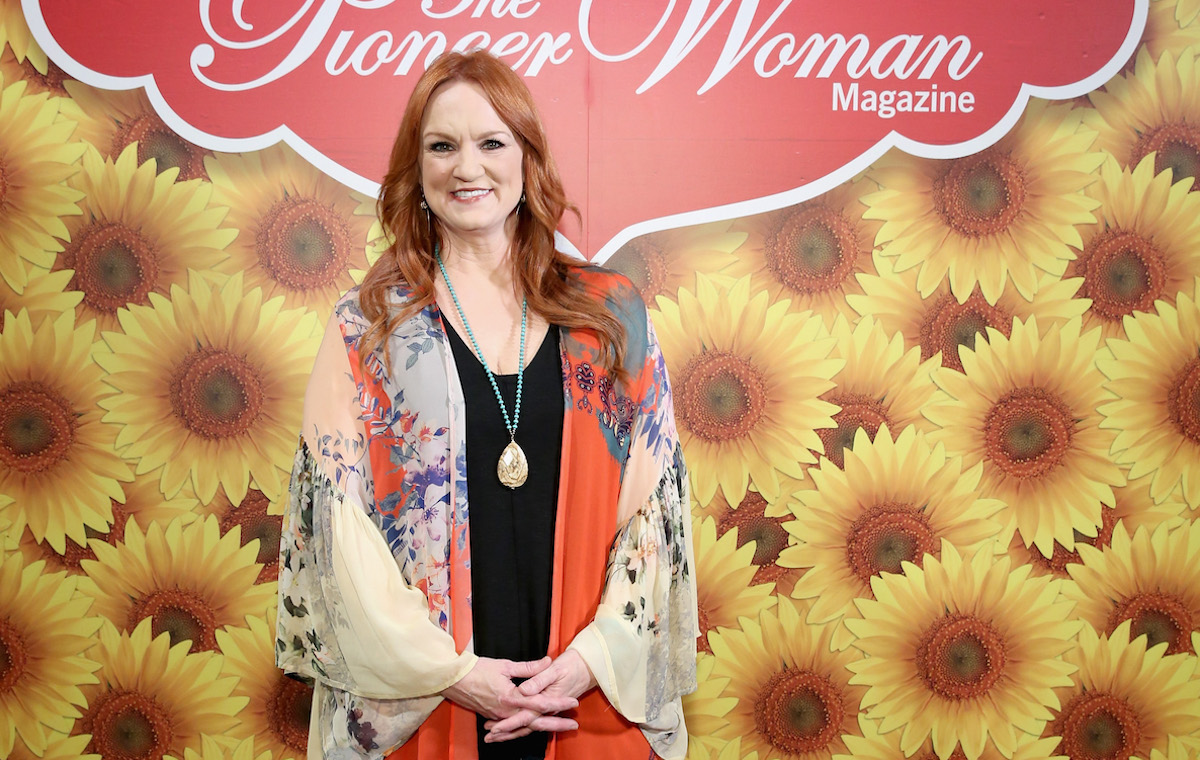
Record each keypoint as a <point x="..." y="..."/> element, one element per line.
<point x="375" y="575"/>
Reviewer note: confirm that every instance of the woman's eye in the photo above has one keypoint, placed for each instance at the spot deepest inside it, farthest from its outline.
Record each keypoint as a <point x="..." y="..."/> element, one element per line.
<point x="441" y="147"/>
<point x="492" y="144"/>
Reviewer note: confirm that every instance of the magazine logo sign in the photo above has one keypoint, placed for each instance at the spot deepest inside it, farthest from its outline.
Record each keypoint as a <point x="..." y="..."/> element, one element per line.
<point x="660" y="112"/>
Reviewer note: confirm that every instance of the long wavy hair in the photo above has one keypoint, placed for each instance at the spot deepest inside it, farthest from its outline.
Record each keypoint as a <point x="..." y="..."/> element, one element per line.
<point x="542" y="273"/>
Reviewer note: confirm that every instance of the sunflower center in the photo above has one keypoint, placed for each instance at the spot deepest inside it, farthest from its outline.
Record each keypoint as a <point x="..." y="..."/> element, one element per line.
<point x="1057" y="562"/>
<point x="158" y="141"/>
<point x="51" y="81"/>
<point x="126" y="725"/>
<point x="4" y="183"/>
<point x="1183" y="401"/>
<point x="798" y="711"/>
<point x="37" y="426"/>
<point x="1122" y="272"/>
<point x="12" y="656"/>
<point x="645" y="265"/>
<point x="181" y="613"/>
<point x="980" y="195"/>
<point x="288" y="712"/>
<point x="303" y="244"/>
<point x="886" y="535"/>
<point x="114" y="266"/>
<point x="216" y="393"/>
<point x="1176" y="147"/>
<point x="949" y="324"/>
<point x="1028" y="432"/>
<point x="752" y="523"/>
<point x="1098" y="726"/>
<point x="858" y="411"/>
<point x="723" y="396"/>
<point x="814" y="251"/>
<point x="705" y="625"/>
<point x="251" y="515"/>
<point x="1161" y="617"/>
<point x="960" y="656"/>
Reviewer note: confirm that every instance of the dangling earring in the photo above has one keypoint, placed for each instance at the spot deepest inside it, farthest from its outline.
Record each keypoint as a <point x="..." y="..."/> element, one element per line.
<point x="521" y="202"/>
<point x="428" y="219"/>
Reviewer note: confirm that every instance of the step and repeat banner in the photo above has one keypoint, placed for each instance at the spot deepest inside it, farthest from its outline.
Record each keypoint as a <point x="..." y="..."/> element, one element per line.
<point x="925" y="273"/>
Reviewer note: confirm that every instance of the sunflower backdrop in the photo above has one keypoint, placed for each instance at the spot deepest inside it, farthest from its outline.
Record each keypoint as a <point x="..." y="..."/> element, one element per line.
<point x="943" y="425"/>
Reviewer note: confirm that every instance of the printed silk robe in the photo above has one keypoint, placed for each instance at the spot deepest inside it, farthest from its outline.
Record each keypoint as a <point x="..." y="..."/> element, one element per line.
<point x="375" y="582"/>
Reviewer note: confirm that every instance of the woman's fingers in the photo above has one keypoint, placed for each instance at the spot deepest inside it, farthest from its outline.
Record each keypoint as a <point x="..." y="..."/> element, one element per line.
<point x="523" y="723"/>
<point x="524" y="669"/>
<point x="541" y="703"/>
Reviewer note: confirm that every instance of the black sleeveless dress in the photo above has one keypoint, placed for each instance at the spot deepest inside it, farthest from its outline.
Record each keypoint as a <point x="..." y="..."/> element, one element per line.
<point x="512" y="530"/>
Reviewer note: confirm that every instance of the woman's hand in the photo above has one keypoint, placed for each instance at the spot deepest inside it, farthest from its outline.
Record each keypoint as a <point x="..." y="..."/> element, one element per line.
<point x="487" y="688"/>
<point x="568" y="677"/>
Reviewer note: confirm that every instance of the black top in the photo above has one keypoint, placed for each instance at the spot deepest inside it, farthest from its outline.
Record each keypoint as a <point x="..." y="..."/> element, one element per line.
<point x="512" y="530"/>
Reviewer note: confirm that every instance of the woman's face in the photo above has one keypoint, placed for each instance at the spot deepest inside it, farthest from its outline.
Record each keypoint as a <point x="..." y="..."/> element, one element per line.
<point x="471" y="170"/>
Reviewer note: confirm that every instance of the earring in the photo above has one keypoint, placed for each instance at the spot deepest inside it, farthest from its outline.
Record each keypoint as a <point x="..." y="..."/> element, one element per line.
<point x="424" y="205"/>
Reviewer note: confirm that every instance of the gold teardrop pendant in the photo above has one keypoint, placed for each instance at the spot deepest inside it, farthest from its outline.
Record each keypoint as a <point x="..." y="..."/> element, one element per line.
<point x="513" y="467"/>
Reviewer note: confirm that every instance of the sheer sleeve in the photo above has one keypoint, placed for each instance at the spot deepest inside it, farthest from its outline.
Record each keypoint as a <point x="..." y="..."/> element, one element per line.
<point x="641" y="647"/>
<point x="348" y="622"/>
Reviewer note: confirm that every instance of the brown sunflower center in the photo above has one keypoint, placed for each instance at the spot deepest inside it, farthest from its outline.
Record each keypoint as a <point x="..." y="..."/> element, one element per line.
<point x="251" y="515"/>
<point x="1183" y="401"/>
<point x="4" y="183"/>
<point x="1176" y="147"/>
<point x="114" y="266"/>
<point x="723" y="396"/>
<point x="949" y="324"/>
<point x="303" y="244"/>
<point x="51" y="81"/>
<point x="960" y="656"/>
<point x="216" y="393"/>
<point x="288" y="712"/>
<point x="181" y="613"/>
<point x="858" y="411"/>
<point x="705" y="625"/>
<point x="1160" y="617"/>
<point x="645" y="264"/>
<point x="886" y="535"/>
<point x="1057" y="562"/>
<point x="37" y="426"/>
<point x="798" y="711"/>
<point x="127" y="725"/>
<point x="158" y="141"/>
<point x="1028" y="432"/>
<point x="13" y="655"/>
<point x="814" y="251"/>
<point x="752" y="523"/>
<point x="980" y="195"/>
<point x="1099" y="726"/>
<point x="1122" y="272"/>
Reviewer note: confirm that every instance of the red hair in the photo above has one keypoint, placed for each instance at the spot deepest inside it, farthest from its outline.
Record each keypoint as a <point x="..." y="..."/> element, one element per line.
<point x="543" y="274"/>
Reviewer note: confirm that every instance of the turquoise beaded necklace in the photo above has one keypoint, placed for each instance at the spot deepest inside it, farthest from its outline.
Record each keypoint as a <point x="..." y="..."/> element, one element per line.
<point x="513" y="467"/>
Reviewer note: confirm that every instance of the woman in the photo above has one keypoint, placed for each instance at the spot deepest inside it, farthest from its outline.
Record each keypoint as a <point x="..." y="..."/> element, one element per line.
<point x="475" y="359"/>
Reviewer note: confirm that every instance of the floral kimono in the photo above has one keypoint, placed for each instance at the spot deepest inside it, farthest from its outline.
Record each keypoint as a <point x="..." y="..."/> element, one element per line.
<point x="375" y="580"/>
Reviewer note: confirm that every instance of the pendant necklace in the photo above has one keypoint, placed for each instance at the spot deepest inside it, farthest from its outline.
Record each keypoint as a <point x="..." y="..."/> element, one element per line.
<point x="513" y="467"/>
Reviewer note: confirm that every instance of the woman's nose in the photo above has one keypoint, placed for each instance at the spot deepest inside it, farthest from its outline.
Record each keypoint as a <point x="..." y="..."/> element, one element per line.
<point x="468" y="166"/>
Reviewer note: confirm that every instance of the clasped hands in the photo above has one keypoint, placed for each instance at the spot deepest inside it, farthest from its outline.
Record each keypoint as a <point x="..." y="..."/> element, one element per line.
<point x="552" y="687"/>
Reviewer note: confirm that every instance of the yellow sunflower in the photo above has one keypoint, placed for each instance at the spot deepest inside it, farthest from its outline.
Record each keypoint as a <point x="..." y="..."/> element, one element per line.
<point x="154" y="698"/>
<point x="1155" y="373"/>
<point x="1005" y="213"/>
<point x="1026" y="409"/>
<point x="44" y="295"/>
<point x="190" y="580"/>
<point x="1154" y="109"/>
<point x="210" y="386"/>
<point x="794" y="696"/>
<point x="894" y="501"/>
<point x="57" y="460"/>
<point x="1151" y="579"/>
<point x="36" y="159"/>
<point x="258" y="518"/>
<point x="140" y="233"/>
<point x="725" y="588"/>
<point x="1186" y="11"/>
<point x="748" y="375"/>
<point x="758" y="520"/>
<point x="814" y="253"/>
<point x="211" y="749"/>
<point x="59" y="747"/>
<point x="1125" y="700"/>
<point x="873" y="745"/>
<point x="113" y="120"/>
<point x="276" y="718"/>
<point x="881" y="384"/>
<point x="15" y="32"/>
<point x="1143" y="246"/>
<point x="50" y="81"/>
<point x="1164" y="32"/>
<point x="939" y="324"/>
<point x="45" y="631"/>
<point x="705" y="709"/>
<point x="962" y="650"/>
<point x="661" y="263"/>
<point x="301" y="231"/>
